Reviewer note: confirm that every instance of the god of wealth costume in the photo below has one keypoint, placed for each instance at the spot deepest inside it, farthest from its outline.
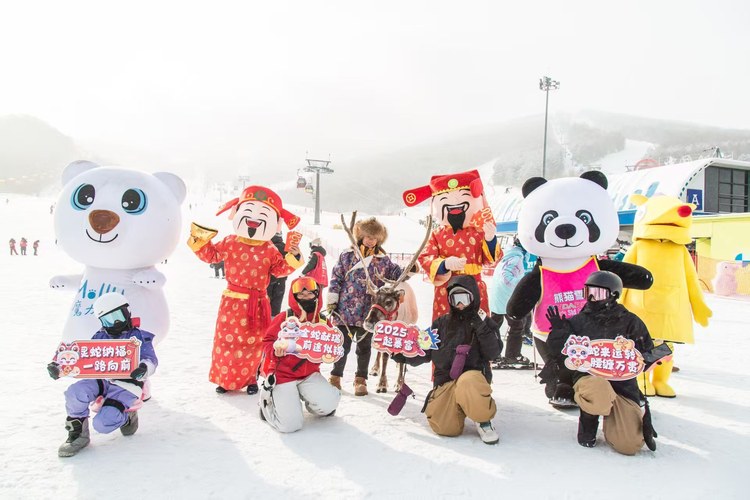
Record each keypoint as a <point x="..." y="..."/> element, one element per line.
<point x="250" y="258"/>
<point x="463" y="243"/>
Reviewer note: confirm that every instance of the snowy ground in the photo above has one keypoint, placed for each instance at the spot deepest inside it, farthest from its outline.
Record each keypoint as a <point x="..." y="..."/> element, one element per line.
<point x="193" y="443"/>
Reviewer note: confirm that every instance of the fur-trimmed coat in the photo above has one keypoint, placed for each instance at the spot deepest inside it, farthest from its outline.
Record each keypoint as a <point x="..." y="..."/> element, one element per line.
<point x="347" y="286"/>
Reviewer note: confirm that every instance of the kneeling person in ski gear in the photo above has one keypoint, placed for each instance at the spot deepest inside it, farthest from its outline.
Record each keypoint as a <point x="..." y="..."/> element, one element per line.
<point x="286" y="379"/>
<point x="462" y="375"/>
<point x="119" y="394"/>
<point x="626" y="425"/>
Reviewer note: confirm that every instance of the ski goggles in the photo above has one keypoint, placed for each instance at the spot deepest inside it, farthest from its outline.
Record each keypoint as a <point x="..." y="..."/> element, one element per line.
<point x="596" y="293"/>
<point x="304" y="283"/>
<point x="109" y="319"/>
<point x="459" y="295"/>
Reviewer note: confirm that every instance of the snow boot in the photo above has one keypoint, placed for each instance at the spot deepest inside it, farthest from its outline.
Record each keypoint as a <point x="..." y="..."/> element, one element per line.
<point x="662" y="373"/>
<point x="563" y="397"/>
<point x="252" y="389"/>
<point x="487" y="433"/>
<point x="587" y="426"/>
<point x="78" y="436"/>
<point x="335" y="381"/>
<point x="645" y="385"/>
<point x="129" y="427"/>
<point x="220" y="390"/>
<point x="360" y="386"/>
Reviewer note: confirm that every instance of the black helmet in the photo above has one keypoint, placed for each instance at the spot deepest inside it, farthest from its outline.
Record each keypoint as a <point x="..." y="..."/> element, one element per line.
<point x="607" y="280"/>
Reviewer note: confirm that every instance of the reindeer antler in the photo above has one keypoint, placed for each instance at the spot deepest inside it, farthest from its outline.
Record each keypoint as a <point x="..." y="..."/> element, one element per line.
<point x="405" y="272"/>
<point x="371" y="288"/>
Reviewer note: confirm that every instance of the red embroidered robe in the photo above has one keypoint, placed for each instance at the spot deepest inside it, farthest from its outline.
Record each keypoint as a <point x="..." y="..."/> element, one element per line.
<point x="244" y="312"/>
<point x="467" y="242"/>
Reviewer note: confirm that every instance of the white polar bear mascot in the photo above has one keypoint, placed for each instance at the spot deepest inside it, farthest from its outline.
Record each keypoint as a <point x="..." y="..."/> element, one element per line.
<point x="118" y="223"/>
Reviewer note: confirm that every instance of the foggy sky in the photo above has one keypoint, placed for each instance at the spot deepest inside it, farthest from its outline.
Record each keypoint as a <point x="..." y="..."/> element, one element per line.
<point x="261" y="83"/>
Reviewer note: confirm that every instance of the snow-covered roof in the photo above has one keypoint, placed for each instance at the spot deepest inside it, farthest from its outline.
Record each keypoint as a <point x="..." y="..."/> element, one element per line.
<point x="671" y="180"/>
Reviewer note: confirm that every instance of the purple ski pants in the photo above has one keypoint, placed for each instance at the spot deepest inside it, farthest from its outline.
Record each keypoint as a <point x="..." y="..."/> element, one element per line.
<point x="80" y="395"/>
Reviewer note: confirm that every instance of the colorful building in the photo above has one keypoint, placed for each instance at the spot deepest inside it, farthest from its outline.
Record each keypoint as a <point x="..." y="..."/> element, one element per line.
<point x="720" y="189"/>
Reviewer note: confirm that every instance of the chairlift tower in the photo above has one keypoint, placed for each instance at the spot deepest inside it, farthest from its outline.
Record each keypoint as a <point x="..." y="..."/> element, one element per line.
<point x="318" y="167"/>
<point x="244" y="179"/>
<point x="546" y="84"/>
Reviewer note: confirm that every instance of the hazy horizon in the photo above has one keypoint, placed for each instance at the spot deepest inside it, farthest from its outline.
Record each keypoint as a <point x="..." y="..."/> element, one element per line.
<point x="257" y="86"/>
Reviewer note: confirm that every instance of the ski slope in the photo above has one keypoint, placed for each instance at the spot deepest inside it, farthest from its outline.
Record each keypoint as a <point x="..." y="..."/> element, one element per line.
<point x="193" y="443"/>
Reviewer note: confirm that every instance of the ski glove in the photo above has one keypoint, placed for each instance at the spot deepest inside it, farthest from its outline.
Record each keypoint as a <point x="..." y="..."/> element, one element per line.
<point x="457" y="368"/>
<point x="398" y="358"/>
<point x="554" y="318"/>
<point x="54" y="370"/>
<point x="400" y="400"/>
<point x="655" y="354"/>
<point x="478" y="319"/>
<point x="139" y="373"/>
<point x="268" y="382"/>
<point x="549" y="373"/>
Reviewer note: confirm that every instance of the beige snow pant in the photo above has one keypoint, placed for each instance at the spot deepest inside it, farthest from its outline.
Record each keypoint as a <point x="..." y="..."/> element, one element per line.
<point x="623" y="418"/>
<point x="449" y="404"/>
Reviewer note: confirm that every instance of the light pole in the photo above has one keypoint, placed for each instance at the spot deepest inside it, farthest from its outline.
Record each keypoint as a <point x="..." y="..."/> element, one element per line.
<point x="318" y="166"/>
<point x="546" y="83"/>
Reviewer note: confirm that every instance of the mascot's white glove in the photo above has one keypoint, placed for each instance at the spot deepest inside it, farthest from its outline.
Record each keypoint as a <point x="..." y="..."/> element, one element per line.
<point x="455" y="263"/>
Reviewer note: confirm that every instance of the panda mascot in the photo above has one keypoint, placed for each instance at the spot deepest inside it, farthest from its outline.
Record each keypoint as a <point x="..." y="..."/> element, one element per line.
<point x="566" y="222"/>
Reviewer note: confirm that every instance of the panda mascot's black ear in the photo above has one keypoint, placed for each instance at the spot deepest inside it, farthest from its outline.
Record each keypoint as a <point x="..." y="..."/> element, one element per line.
<point x="531" y="184"/>
<point x="596" y="176"/>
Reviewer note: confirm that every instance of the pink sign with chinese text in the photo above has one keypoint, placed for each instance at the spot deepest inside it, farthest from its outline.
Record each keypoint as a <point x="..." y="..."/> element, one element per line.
<point x="315" y="342"/>
<point x="98" y="358"/>
<point x="563" y="289"/>
<point x="395" y="337"/>
<point x="614" y="360"/>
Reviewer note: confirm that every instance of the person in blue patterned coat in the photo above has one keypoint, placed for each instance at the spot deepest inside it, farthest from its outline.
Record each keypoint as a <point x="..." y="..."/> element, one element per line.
<point x="348" y="300"/>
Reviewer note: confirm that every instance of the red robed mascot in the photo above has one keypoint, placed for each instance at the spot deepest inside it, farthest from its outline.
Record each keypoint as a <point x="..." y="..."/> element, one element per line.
<point x="249" y="261"/>
<point x="465" y="240"/>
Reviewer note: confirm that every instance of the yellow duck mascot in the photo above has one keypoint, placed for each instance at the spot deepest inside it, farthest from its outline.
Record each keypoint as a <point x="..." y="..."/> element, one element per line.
<point x="660" y="232"/>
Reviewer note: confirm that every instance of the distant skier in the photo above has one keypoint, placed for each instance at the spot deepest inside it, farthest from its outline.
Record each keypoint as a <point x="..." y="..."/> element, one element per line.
<point x="316" y="266"/>
<point x="12" y="244"/>
<point x="276" y="285"/>
<point x="35" y="246"/>
<point x="120" y="394"/>
<point x="24" y="244"/>
<point x="218" y="267"/>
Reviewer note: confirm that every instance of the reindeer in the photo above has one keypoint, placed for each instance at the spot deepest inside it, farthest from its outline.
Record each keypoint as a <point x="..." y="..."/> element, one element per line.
<point x="394" y="300"/>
